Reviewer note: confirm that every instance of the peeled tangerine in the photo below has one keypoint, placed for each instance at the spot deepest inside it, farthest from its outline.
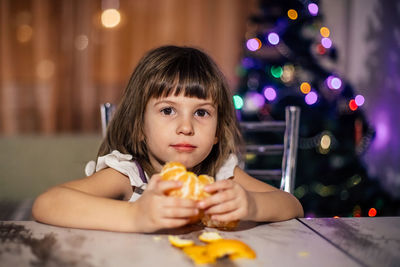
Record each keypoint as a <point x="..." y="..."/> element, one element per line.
<point x="192" y="188"/>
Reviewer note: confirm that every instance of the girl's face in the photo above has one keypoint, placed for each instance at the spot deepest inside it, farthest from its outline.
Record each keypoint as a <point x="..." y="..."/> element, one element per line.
<point x="179" y="128"/>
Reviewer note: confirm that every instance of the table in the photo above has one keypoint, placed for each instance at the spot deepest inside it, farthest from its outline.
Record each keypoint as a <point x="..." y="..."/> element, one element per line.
<point x="297" y="242"/>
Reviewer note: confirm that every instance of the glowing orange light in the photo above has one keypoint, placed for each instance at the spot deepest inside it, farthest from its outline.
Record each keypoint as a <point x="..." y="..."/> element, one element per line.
<point x="292" y="14"/>
<point x="352" y="104"/>
<point x="324" y="32"/>
<point x="336" y="217"/>
<point x="372" y="212"/>
<point x="110" y="18"/>
<point x="305" y="87"/>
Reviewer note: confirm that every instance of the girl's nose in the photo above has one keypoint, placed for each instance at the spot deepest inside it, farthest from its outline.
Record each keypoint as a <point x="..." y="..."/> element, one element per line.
<point x="185" y="127"/>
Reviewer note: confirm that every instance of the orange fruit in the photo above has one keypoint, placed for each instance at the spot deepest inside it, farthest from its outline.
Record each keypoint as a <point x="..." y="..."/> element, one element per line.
<point x="207" y="221"/>
<point x="192" y="185"/>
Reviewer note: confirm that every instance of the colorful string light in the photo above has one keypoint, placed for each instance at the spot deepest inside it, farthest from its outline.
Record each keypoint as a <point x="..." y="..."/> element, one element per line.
<point x="269" y="93"/>
<point x="253" y="44"/>
<point x="324" y="32"/>
<point x="352" y="105"/>
<point x="273" y="38"/>
<point x="359" y="100"/>
<point x="292" y="14"/>
<point x="326" y="42"/>
<point x="305" y="87"/>
<point x="313" y="9"/>
<point x="237" y="102"/>
<point x="311" y="98"/>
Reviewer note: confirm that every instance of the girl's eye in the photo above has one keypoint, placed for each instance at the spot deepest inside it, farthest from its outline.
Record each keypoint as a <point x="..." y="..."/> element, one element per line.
<point x="168" y="111"/>
<point x="202" y="113"/>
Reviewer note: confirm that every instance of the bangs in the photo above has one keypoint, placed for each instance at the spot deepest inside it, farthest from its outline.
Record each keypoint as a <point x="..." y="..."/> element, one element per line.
<point x="190" y="74"/>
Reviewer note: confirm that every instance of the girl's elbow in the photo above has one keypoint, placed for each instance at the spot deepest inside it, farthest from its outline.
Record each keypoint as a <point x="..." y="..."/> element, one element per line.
<point x="40" y="207"/>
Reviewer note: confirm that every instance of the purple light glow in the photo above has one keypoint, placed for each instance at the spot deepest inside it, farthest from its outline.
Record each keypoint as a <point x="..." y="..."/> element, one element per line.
<point x="311" y="98"/>
<point x="333" y="82"/>
<point x="336" y="83"/>
<point x="313" y="9"/>
<point x="253" y="101"/>
<point x="247" y="63"/>
<point x="359" y="100"/>
<point x="273" y="38"/>
<point x="269" y="93"/>
<point x="326" y="42"/>
<point x="382" y="134"/>
<point x="253" y="44"/>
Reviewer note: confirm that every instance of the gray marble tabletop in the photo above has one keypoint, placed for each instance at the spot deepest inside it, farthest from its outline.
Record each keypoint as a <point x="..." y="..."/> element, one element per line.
<point x="289" y="243"/>
<point x="369" y="241"/>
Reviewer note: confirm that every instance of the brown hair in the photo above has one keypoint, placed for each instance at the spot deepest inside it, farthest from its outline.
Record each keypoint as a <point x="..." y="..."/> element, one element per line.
<point x="161" y="72"/>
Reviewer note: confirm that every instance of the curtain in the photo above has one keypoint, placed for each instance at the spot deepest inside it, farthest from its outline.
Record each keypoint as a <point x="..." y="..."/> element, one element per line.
<point x="58" y="62"/>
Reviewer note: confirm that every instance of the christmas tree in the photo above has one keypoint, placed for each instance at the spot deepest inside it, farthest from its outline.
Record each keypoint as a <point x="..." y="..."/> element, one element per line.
<point x="289" y="59"/>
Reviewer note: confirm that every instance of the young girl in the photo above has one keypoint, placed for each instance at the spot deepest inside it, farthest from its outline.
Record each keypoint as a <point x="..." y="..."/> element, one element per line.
<point x="176" y="107"/>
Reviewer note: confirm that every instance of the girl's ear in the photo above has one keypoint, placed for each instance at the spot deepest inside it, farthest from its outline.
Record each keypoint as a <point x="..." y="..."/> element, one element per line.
<point x="215" y="140"/>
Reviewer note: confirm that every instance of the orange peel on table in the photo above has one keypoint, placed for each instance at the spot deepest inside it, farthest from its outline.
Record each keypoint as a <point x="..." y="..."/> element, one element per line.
<point x="192" y="188"/>
<point x="179" y="242"/>
<point x="215" y="249"/>
<point x="208" y="237"/>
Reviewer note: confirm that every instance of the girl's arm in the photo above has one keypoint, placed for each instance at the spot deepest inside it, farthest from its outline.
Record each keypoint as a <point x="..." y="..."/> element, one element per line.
<point x="92" y="203"/>
<point x="245" y="197"/>
<point x="87" y="202"/>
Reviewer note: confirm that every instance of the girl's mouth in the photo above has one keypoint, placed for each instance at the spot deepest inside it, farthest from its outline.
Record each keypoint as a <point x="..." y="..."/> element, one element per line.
<point x="184" y="147"/>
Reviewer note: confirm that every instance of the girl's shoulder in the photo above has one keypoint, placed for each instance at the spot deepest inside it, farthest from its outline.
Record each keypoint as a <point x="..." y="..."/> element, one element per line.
<point x="123" y="163"/>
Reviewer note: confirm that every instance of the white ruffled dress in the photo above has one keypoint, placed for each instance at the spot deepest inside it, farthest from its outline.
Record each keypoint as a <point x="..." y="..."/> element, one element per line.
<point x="124" y="164"/>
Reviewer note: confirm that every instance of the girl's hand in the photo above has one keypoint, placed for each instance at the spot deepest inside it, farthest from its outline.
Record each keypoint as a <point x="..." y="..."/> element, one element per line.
<point x="229" y="201"/>
<point x="158" y="211"/>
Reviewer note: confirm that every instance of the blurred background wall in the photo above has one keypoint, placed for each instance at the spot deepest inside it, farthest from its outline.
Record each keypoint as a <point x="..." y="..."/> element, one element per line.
<point x="59" y="60"/>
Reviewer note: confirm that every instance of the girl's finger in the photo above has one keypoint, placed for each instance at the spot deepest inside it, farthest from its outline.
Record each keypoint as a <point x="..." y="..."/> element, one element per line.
<point x="179" y="202"/>
<point x="153" y="181"/>
<point x="227" y="217"/>
<point x="217" y="198"/>
<point x="219" y="185"/>
<point x="225" y="207"/>
<point x="179" y="213"/>
<point x="162" y="186"/>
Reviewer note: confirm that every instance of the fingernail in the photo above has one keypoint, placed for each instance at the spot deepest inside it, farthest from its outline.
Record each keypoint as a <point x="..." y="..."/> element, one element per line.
<point x="201" y="204"/>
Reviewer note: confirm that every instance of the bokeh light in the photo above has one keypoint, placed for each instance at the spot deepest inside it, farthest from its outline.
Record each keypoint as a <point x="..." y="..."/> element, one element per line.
<point x="333" y="82"/>
<point x="237" y="102"/>
<point x="253" y="44"/>
<point x="320" y="49"/>
<point x="288" y="73"/>
<point x="313" y="9"/>
<point x="359" y="100"/>
<point x="326" y="42"/>
<point x="276" y="71"/>
<point x="81" y="42"/>
<point x="305" y="87"/>
<point x="110" y="18"/>
<point x="24" y="33"/>
<point x="325" y="141"/>
<point x="311" y="98"/>
<point x="324" y="32"/>
<point x="253" y="101"/>
<point x="352" y="105"/>
<point x="372" y="212"/>
<point x="292" y="14"/>
<point x="269" y="93"/>
<point x="273" y="38"/>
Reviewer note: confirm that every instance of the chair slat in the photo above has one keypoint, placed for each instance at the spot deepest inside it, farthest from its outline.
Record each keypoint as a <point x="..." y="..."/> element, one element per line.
<point x="275" y="149"/>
